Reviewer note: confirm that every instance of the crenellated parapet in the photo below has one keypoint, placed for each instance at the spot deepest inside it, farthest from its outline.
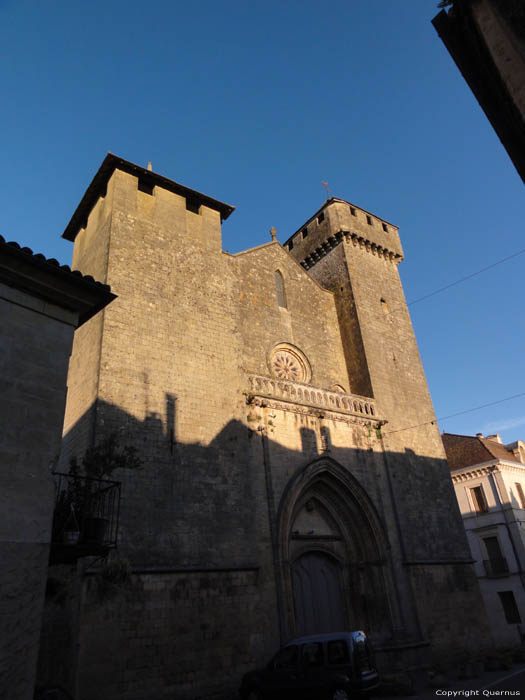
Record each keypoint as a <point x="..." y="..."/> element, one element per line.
<point x="351" y="237"/>
<point x="338" y="221"/>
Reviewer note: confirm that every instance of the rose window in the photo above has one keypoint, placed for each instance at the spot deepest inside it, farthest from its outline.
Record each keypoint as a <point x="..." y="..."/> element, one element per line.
<point x="285" y="366"/>
<point x="289" y="363"/>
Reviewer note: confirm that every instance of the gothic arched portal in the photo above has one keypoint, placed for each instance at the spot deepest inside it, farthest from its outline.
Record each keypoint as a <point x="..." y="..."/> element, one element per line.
<point x="334" y="555"/>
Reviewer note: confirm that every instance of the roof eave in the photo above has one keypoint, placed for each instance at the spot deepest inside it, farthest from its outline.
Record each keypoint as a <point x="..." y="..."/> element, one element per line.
<point x="45" y="279"/>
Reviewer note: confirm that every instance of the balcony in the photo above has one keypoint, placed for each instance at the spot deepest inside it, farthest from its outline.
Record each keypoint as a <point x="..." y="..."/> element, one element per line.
<point x="308" y="395"/>
<point x="496" y="567"/>
<point x="85" y="518"/>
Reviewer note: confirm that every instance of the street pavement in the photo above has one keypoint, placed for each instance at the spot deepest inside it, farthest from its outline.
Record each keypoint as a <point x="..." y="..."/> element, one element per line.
<point x="490" y="684"/>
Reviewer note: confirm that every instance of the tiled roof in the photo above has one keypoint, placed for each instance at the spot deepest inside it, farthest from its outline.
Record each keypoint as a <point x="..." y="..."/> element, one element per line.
<point x="468" y="450"/>
<point x="46" y="279"/>
<point x="40" y="259"/>
<point x="497" y="450"/>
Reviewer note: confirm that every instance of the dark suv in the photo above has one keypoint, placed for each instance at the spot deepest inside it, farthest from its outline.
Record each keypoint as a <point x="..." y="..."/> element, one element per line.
<point x="335" y="666"/>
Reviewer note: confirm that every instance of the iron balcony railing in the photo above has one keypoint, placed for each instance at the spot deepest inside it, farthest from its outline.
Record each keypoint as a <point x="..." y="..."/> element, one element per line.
<point x="496" y="567"/>
<point x="86" y="516"/>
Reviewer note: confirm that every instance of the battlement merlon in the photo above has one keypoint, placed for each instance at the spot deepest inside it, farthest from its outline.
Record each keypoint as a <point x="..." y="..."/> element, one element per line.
<point x="147" y="180"/>
<point x="336" y="217"/>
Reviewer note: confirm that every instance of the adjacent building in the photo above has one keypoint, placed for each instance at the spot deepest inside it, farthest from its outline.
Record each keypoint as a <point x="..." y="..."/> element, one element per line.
<point x="489" y="480"/>
<point x="41" y="305"/>
<point x="486" y="39"/>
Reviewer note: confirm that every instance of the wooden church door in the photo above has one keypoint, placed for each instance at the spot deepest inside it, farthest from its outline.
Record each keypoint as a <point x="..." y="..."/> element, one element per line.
<point x="318" y="596"/>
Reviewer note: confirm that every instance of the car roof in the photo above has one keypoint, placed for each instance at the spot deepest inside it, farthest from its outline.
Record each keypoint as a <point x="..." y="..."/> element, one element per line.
<point x="324" y="637"/>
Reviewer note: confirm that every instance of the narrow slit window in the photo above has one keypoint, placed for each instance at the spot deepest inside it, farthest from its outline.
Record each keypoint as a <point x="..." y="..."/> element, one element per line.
<point x="385" y="228"/>
<point x="325" y="439"/>
<point x="305" y="232"/>
<point x="320" y="218"/>
<point x="369" y="220"/>
<point x="352" y="211"/>
<point x="281" y="294"/>
<point x="290" y="245"/>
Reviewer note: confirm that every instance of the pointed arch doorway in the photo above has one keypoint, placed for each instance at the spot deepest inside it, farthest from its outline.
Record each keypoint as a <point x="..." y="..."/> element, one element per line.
<point x="332" y="552"/>
<point x="317" y="594"/>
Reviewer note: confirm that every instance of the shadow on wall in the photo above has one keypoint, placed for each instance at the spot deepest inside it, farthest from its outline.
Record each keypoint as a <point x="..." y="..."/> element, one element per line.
<point x="190" y="499"/>
<point x="242" y="543"/>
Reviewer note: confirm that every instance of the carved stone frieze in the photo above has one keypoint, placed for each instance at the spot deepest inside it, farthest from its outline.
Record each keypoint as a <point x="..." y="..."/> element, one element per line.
<point x="309" y="400"/>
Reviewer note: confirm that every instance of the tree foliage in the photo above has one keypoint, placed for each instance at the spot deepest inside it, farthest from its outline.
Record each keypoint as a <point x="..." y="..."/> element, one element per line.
<point x="100" y="461"/>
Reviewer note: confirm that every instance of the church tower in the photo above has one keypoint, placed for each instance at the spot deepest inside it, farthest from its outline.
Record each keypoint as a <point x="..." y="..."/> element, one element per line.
<point x="356" y="254"/>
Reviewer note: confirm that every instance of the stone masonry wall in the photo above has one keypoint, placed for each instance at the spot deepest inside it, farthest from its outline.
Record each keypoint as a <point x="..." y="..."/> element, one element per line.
<point x="185" y="635"/>
<point x="506" y="46"/>
<point x="309" y="321"/>
<point x="90" y="256"/>
<point x="168" y="380"/>
<point x="36" y="340"/>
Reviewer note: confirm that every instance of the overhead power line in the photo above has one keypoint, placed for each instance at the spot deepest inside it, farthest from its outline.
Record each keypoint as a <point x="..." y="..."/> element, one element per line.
<point x="459" y="281"/>
<point x="453" y="415"/>
<point x="467" y="277"/>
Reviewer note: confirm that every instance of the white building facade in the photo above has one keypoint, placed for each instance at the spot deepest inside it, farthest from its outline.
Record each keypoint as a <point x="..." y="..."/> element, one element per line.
<point x="489" y="481"/>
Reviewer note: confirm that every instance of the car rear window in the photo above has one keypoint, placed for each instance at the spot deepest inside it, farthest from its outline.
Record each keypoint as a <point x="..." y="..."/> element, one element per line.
<point x="338" y="652"/>
<point x="312" y="654"/>
<point x="286" y="658"/>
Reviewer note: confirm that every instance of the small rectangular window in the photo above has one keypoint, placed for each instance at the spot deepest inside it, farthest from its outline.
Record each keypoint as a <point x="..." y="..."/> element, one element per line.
<point x="496" y="564"/>
<point x="369" y="220"/>
<point x="352" y="211"/>
<point x="193" y="206"/>
<point x="478" y="499"/>
<point x="492" y="547"/>
<point x="521" y="495"/>
<point x="510" y="609"/>
<point x="385" y="228"/>
<point x="320" y="218"/>
<point x="305" y="232"/>
<point x="290" y="245"/>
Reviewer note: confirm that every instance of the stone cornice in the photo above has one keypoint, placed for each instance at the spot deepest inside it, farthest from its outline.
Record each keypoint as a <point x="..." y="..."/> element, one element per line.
<point x="477" y="471"/>
<point x="357" y="240"/>
<point x="474" y="472"/>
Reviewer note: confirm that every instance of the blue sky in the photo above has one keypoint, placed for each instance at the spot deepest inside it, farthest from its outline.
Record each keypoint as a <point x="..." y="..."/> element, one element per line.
<point x="257" y="103"/>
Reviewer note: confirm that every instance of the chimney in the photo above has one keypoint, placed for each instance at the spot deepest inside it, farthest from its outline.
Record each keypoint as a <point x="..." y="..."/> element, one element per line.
<point x="495" y="438"/>
<point x="479" y="435"/>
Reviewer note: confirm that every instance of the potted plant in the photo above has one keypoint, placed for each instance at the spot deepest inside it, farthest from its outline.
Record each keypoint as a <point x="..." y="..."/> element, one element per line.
<point x="82" y="504"/>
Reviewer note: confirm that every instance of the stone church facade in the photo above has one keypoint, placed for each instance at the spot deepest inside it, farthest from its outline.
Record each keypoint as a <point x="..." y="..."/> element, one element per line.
<point x="268" y="394"/>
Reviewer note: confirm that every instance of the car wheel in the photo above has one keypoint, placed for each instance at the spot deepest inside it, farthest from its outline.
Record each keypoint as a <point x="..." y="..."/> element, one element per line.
<point x="340" y="694"/>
